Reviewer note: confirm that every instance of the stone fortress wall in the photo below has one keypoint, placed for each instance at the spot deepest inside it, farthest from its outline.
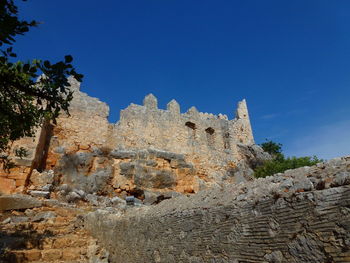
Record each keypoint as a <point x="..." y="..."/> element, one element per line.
<point x="148" y="149"/>
<point x="147" y="126"/>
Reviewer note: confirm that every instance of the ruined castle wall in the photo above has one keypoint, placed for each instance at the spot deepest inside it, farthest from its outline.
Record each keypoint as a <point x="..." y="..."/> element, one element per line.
<point x="208" y="140"/>
<point x="208" y="143"/>
<point x="86" y="127"/>
<point x="302" y="215"/>
<point x="88" y="121"/>
<point x="188" y="133"/>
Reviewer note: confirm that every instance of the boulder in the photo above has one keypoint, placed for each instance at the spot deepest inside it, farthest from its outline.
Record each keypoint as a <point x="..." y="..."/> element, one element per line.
<point x="253" y="154"/>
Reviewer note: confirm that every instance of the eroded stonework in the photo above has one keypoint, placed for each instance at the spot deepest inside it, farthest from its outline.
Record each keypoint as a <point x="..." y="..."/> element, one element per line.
<point x="148" y="151"/>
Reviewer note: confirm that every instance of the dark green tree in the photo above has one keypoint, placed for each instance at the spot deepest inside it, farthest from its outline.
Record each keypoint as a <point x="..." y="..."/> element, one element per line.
<point x="30" y="92"/>
<point x="279" y="163"/>
<point x="271" y="147"/>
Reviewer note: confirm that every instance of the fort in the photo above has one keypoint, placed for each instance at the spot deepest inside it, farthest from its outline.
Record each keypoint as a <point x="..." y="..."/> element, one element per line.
<point x="147" y="149"/>
<point x="164" y="186"/>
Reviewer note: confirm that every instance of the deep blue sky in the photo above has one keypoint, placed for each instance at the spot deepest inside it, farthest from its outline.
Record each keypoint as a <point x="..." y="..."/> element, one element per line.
<point x="289" y="59"/>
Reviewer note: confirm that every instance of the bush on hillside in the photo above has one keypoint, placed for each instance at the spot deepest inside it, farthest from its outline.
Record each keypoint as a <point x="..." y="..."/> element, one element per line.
<point x="280" y="163"/>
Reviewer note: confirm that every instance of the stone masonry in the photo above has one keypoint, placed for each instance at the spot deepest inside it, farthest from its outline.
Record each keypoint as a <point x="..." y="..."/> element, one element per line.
<point x="149" y="150"/>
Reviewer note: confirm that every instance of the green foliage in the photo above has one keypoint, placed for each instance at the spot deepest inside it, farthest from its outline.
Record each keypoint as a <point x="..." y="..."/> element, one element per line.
<point x="30" y="92"/>
<point x="279" y="162"/>
<point x="10" y="25"/>
<point x="271" y="147"/>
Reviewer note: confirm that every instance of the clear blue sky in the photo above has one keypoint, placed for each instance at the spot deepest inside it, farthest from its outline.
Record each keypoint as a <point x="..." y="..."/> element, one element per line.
<point x="289" y="59"/>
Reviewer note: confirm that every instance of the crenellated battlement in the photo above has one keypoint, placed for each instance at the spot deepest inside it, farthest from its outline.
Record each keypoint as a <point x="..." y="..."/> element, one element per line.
<point x="150" y="102"/>
<point x="150" y="106"/>
<point x="202" y="136"/>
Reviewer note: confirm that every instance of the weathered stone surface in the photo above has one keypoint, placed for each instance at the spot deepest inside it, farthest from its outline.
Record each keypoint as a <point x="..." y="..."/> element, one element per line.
<point x="99" y="201"/>
<point x="166" y="155"/>
<point x="44" y="194"/>
<point x="47" y="234"/>
<point x="173" y="107"/>
<point x="19" y="219"/>
<point x="7" y="185"/>
<point x="82" y="171"/>
<point x="13" y="202"/>
<point x="253" y="154"/>
<point x="72" y="197"/>
<point x="42" y="179"/>
<point x="41" y="216"/>
<point x="156" y="179"/>
<point x="276" y="219"/>
<point x="150" y="101"/>
<point x="87" y="152"/>
<point x="116" y="201"/>
<point x="122" y="154"/>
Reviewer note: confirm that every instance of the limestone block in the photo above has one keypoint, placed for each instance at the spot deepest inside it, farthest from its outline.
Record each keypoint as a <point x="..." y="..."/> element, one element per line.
<point x="17" y="201"/>
<point x="19" y="219"/>
<point x="122" y="154"/>
<point x="32" y="255"/>
<point x="166" y="155"/>
<point x="37" y="193"/>
<point x="41" y="179"/>
<point x="42" y="216"/>
<point x="51" y="254"/>
<point x="7" y="186"/>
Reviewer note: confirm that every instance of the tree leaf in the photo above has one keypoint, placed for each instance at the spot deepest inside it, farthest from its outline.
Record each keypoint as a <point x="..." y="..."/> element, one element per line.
<point x="68" y="58"/>
<point x="47" y="63"/>
<point x="26" y="67"/>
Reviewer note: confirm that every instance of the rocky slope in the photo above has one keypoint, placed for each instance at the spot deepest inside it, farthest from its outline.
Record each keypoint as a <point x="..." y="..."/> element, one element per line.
<point x="302" y="215"/>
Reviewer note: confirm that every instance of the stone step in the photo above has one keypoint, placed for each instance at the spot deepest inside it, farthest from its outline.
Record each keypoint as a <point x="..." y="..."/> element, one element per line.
<point x="71" y="240"/>
<point x="60" y="239"/>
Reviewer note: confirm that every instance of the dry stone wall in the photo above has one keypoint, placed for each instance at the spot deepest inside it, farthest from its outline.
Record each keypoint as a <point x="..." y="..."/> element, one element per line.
<point x="302" y="215"/>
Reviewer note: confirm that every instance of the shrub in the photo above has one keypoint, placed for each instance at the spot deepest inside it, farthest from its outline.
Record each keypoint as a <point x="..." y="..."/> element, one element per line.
<point x="280" y="163"/>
